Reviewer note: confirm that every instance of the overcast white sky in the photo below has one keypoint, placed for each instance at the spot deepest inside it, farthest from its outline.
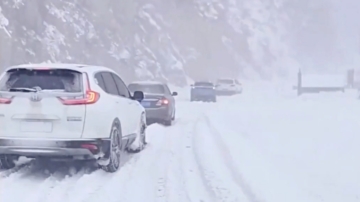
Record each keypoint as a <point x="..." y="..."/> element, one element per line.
<point x="347" y="16"/>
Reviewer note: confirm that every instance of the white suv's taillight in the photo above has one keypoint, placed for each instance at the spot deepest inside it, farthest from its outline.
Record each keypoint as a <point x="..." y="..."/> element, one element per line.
<point x="91" y="97"/>
<point x="6" y="100"/>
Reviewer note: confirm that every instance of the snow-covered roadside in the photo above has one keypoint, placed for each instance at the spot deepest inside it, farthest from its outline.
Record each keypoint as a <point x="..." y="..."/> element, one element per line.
<point x="292" y="148"/>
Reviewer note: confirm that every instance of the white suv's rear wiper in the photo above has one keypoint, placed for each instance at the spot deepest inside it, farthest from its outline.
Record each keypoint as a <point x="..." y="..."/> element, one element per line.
<point x="27" y="90"/>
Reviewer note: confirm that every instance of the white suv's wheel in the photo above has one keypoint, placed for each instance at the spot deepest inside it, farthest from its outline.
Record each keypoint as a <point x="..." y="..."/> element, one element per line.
<point x="114" y="150"/>
<point x="140" y="141"/>
<point x="6" y="162"/>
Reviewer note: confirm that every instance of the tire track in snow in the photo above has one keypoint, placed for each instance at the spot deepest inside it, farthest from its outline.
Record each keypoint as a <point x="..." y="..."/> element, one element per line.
<point x="17" y="169"/>
<point x="164" y="178"/>
<point x="17" y="186"/>
<point x="87" y="186"/>
<point x="194" y="167"/>
<point x="194" y="182"/>
<point x="214" y="172"/>
<point x="166" y="185"/>
<point x="130" y="183"/>
<point x="150" y="176"/>
<point x="65" y="185"/>
<point x="184" y="181"/>
<point x="159" y="181"/>
<point x="60" y="183"/>
<point x="38" y="182"/>
<point x="232" y="169"/>
<point x="164" y="173"/>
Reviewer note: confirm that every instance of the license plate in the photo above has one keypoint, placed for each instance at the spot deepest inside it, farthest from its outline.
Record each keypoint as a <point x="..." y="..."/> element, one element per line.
<point x="36" y="126"/>
<point x="145" y="104"/>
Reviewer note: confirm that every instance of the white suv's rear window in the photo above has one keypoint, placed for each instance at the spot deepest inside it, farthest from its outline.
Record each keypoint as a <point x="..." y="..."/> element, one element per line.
<point x="54" y="80"/>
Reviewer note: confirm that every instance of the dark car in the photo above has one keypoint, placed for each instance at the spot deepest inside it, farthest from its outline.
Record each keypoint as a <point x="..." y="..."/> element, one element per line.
<point x="203" y="91"/>
<point x="158" y="101"/>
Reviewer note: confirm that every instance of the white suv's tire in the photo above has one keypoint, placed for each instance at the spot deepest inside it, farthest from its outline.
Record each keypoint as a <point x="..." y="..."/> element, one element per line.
<point x="6" y="162"/>
<point x="115" y="149"/>
<point x="140" y="141"/>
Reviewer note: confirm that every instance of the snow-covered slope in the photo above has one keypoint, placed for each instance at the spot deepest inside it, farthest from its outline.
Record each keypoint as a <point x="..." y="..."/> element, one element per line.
<point x="149" y="39"/>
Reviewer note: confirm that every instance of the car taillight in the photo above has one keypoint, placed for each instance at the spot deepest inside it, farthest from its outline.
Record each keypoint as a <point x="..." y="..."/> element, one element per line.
<point x="91" y="97"/>
<point x="162" y="102"/>
<point x="91" y="147"/>
<point x="5" y="100"/>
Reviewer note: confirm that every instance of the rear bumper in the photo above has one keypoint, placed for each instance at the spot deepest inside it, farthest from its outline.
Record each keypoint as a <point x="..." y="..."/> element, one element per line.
<point x="81" y="149"/>
<point x="161" y="113"/>
<point x="203" y="97"/>
<point x="226" y="92"/>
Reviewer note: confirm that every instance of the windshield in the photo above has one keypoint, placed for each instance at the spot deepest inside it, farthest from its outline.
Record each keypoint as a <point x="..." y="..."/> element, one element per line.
<point x="204" y="84"/>
<point x="147" y="88"/>
<point x="55" y="80"/>
<point x="225" y="81"/>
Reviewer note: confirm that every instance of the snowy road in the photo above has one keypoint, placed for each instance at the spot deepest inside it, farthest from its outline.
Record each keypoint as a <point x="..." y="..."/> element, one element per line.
<point x="262" y="146"/>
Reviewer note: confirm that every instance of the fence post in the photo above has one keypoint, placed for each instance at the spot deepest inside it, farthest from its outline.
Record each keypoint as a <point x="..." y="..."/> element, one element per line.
<point x="299" y="83"/>
<point x="350" y="78"/>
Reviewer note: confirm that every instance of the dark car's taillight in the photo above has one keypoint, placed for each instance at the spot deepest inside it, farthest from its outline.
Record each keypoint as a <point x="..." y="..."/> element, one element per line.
<point x="162" y="102"/>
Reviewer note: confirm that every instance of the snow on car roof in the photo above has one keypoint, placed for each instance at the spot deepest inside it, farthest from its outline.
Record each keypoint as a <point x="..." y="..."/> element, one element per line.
<point x="49" y="65"/>
<point x="76" y="67"/>
<point x="204" y="82"/>
<point x="225" y="79"/>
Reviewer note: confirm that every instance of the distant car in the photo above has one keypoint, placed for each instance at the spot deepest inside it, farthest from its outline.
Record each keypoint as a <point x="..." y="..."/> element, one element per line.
<point x="68" y="112"/>
<point x="203" y="91"/>
<point x="158" y="101"/>
<point x="228" y="86"/>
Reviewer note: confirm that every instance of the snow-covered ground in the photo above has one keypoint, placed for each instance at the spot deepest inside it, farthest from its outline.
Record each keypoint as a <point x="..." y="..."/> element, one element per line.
<point x="267" y="145"/>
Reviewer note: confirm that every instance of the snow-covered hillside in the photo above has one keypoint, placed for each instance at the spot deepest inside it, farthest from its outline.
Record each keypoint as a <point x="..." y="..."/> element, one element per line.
<point x="171" y="38"/>
<point x="157" y="38"/>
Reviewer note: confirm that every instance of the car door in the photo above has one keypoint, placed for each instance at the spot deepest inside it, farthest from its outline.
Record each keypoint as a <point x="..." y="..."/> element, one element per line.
<point x="123" y="107"/>
<point x="134" y="106"/>
<point x="171" y="98"/>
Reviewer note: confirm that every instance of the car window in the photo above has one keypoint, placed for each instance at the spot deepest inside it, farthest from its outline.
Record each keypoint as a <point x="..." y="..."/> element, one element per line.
<point x="123" y="90"/>
<point x="147" y="88"/>
<point x="100" y="81"/>
<point x="110" y="84"/>
<point x="167" y="90"/>
<point x="225" y="81"/>
<point x="207" y="84"/>
<point x="53" y="80"/>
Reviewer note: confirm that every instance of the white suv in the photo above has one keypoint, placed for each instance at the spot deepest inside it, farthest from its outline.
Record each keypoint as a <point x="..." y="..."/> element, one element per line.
<point x="232" y="86"/>
<point x="68" y="112"/>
